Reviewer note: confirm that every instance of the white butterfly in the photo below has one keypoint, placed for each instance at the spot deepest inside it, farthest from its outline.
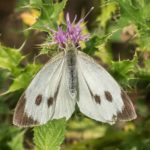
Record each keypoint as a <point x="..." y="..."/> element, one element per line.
<point x="71" y="78"/>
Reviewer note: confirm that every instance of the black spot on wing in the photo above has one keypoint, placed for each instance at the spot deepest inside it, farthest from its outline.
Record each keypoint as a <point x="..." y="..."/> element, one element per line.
<point x="50" y="101"/>
<point x="38" y="99"/>
<point x="128" y="112"/>
<point x="97" y="99"/>
<point x="108" y="96"/>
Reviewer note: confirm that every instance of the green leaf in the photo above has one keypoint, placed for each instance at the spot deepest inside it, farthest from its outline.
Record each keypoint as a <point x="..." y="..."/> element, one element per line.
<point x="3" y="108"/>
<point x="10" y="59"/>
<point x="7" y="134"/>
<point x="137" y="13"/>
<point x="24" y="78"/>
<point x="143" y="75"/>
<point x="106" y="13"/>
<point x="49" y="14"/>
<point x="36" y="3"/>
<point x="58" y="8"/>
<point x="50" y="136"/>
<point x="17" y="142"/>
<point x="93" y="44"/>
<point x="124" y="71"/>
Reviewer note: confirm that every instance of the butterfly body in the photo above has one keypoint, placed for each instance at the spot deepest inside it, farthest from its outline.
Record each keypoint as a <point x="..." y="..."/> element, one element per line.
<point x="71" y="59"/>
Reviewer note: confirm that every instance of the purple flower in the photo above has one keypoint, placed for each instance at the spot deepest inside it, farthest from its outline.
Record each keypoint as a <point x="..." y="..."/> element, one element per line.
<point x="73" y="33"/>
<point x="60" y="36"/>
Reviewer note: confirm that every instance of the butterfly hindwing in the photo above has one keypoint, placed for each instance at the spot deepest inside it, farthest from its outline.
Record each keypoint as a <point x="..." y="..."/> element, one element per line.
<point x="100" y="97"/>
<point x="46" y="97"/>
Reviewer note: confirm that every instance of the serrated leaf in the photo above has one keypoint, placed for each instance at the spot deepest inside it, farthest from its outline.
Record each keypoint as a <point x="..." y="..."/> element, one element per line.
<point x="93" y="44"/>
<point x="17" y="142"/>
<point x="106" y="13"/>
<point x="10" y="58"/>
<point x="49" y="15"/>
<point x="50" y="136"/>
<point x="23" y="79"/>
<point x="36" y="3"/>
<point x="124" y="71"/>
<point x="136" y="12"/>
<point x="58" y="7"/>
<point x="19" y="82"/>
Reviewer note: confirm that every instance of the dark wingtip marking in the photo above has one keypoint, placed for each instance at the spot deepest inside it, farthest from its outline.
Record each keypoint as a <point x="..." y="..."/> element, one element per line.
<point x="128" y="112"/>
<point x="97" y="99"/>
<point x="50" y="101"/>
<point x="108" y="96"/>
<point x="20" y="117"/>
<point x="38" y="99"/>
<point x="25" y="121"/>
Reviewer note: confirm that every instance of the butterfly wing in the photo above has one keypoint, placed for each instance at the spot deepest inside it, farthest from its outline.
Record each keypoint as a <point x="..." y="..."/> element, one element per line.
<point x="100" y="97"/>
<point x="47" y="97"/>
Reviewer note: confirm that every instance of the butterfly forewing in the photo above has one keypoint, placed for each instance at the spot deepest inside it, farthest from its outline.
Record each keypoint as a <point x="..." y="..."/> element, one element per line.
<point x="47" y="96"/>
<point x="100" y="97"/>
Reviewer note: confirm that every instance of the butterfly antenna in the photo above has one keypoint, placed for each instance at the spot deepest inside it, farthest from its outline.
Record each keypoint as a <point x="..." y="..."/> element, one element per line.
<point x="86" y="14"/>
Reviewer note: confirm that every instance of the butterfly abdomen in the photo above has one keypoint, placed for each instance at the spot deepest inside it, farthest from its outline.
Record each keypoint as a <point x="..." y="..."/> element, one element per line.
<point x="72" y="71"/>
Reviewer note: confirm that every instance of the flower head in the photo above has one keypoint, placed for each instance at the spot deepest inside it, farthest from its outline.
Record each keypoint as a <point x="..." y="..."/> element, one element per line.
<point x="60" y="36"/>
<point x="72" y="34"/>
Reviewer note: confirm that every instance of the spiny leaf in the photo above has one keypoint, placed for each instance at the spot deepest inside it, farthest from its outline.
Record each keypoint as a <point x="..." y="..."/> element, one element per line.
<point x="106" y="13"/>
<point x="49" y="14"/>
<point x="58" y="7"/>
<point x="10" y="58"/>
<point x="91" y="45"/>
<point x="136" y="12"/>
<point x="50" y="136"/>
<point x="36" y="3"/>
<point x="124" y="71"/>
<point x="23" y="79"/>
<point x="17" y="142"/>
<point x="95" y="42"/>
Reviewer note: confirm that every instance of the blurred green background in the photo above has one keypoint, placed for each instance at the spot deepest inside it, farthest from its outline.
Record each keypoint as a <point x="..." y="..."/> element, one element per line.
<point x="120" y="41"/>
